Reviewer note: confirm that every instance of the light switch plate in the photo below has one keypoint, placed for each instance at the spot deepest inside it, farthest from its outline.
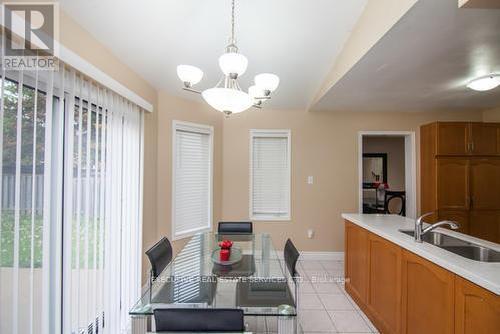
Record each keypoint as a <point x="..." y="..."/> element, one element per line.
<point x="310" y="180"/>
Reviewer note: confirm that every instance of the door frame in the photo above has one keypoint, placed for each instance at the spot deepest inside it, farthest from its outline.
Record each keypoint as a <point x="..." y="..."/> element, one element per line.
<point x="410" y="168"/>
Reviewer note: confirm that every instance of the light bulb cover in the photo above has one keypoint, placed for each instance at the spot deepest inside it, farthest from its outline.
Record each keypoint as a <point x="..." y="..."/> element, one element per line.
<point x="485" y="83"/>
<point x="267" y="81"/>
<point x="255" y="92"/>
<point x="227" y="99"/>
<point x="189" y="74"/>
<point x="233" y="63"/>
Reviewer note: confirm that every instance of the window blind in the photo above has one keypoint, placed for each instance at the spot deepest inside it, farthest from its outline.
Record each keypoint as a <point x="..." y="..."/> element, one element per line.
<point x="270" y="175"/>
<point x="71" y="198"/>
<point x="192" y="179"/>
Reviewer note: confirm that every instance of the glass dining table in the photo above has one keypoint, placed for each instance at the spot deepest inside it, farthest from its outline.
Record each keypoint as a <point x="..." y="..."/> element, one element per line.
<point x="196" y="279"/>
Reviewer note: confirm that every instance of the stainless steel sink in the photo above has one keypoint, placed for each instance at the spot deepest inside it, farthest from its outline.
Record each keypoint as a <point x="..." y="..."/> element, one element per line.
<point x="457" y="246"/>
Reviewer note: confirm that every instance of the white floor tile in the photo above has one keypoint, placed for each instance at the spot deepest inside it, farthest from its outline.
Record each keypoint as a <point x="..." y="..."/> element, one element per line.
<point x="327" y="288"/>
<point x="310" y="302"/>
<point x="349" y="321"/>
<point x="333" y="265"/>
<point x="307" y="265"/>
<point x="306" y="287"/>
<point x="336" y="302"/>
<point x="316" y="321"/>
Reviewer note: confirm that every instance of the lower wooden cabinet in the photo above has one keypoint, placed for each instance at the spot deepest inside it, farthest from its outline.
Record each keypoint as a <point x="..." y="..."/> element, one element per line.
<point x="427" y="303"/>
<point x="402" y="292"/>
<point x="477" y="311"/>
<point x="384" y="284"/>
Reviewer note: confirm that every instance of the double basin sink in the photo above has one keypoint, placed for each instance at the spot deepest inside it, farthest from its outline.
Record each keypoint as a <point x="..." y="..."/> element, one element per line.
<point x="458" y="246"/>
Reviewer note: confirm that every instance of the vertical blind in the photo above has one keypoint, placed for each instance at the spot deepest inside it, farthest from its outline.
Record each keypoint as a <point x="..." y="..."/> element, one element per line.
<point x="71" y="196"/>
<point x="192" y="178"/>
<point x="270" y="174"/>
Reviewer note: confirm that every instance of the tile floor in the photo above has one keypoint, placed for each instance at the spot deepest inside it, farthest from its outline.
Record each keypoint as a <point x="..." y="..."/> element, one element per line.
<point x="324" y="305"/>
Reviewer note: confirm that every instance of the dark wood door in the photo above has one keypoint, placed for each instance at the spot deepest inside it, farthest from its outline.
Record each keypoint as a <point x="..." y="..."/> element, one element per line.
<point x="453" y="138"/>
<point x="461" y="217"/>
<point x="483" y="138"/>
<point x="453" y="184"/>
<point x="427" y="297"/>
<point x="356" y="261"/>
<point x="485" y="224"/>
<point x="384" y="296"/>
<point x="477" y="311"/>
<point x="485" y="184"/>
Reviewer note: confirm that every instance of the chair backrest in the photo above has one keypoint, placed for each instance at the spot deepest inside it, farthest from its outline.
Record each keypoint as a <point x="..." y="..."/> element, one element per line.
<point x="235" y="228"/>
<point x="159" y="256"/>
<point x="199" y="320"/>
<point x="291" y="255"/>
<point x="392" y="197"/>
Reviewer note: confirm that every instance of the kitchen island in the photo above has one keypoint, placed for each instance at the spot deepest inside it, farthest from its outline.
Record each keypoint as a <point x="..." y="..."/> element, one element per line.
<point x="409" y="287"/>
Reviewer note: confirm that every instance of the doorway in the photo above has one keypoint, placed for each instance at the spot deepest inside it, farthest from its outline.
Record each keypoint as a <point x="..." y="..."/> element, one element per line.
<point x="387" y="172"/>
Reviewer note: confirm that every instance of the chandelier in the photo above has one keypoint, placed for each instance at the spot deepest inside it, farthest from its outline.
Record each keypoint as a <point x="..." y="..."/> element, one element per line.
<point x="227" y="96"/>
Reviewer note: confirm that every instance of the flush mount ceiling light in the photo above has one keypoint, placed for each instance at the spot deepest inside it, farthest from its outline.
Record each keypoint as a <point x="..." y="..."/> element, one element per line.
<point x="485" y="83"/>
<point x="227" y="96"/>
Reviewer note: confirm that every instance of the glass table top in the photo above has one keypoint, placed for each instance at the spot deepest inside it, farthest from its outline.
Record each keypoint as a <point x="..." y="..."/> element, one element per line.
<point x="257" y="284"/>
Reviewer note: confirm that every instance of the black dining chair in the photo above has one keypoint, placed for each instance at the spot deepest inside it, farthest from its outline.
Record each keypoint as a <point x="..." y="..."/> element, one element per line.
<point x="160" y="256"/>
<point x="271" y="292"/>
<point x="199" y="320"/>
<point x="235" y="228"/>
<point x="392" y="197"/>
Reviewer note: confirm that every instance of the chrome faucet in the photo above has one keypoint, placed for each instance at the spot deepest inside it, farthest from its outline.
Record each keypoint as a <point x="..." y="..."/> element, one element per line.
<point x="420" y="231"/>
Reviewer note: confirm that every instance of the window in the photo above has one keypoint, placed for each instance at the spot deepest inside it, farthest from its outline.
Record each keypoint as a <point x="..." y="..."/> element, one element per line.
<point x="191" y="179"/>
<point x="270" y="174"/>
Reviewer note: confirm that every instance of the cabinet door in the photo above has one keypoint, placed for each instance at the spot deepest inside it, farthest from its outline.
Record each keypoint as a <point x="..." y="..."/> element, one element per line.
<point x="453" y="138"/>
<point x="483" y="138"/>
<point x="453" y="183"/>
<point x="356" y="261"/>
<point x="485" y="184"/>
<point x="477" y="311"/>
<point x="461" y="217"/>
<point x="485" y="224"/>
<point x="384" y="296"/>
<point x="427" y="295"/>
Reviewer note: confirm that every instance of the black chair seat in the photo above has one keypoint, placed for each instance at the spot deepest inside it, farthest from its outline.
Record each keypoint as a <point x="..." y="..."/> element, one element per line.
<point x="263" y="293"/>
<point x="199" y="320"/>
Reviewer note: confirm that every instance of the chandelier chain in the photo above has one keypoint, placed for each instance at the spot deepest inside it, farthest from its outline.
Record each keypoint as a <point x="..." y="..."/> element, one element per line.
<point x="232" y="23"/>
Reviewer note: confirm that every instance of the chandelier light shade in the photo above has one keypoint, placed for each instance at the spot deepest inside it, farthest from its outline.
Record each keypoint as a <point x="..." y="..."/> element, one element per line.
<point x="189" y="74"/>
<point x="267" y="81"/>
<point x="233" y="63"/>
<point x="227" y="100"/>
<point x="485" y="83"/>
<point x="227" y="96"/>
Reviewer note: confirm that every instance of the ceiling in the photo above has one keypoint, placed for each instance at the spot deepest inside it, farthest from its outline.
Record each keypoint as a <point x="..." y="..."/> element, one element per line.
<point x="424" y="63"/>
<point x="295" y="39"/>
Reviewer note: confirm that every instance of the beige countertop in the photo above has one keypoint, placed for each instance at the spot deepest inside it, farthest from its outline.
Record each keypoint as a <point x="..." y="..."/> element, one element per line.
<point x="484" y="274"/>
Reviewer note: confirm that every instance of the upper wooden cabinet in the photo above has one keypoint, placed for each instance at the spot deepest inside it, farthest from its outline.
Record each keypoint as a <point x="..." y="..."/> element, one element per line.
<point x="453" y="183"/>
<point x="477" y="311"/>
<point x="452" y="138"/>
<point x="463" y="138"/>
<point x="483" y="138"/>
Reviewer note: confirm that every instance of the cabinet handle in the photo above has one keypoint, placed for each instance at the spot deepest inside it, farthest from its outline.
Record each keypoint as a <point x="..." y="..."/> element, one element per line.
<point x="472" y="146"/>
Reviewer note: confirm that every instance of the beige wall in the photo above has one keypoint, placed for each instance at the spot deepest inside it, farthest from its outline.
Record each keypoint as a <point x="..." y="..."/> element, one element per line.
<point x="492" y="115"/>
<point x="324" y="145"/>
<point x="395" y="149"/>
<point x="172" y="108"/>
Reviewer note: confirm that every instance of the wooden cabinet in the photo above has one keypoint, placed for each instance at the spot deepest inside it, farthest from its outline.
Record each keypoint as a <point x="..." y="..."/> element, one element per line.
<point x="453" y="183"/>
<point x="356" y="261"/>
<point x="427" y="295"/>
<point x="452" y="138"/>
<point x="402" y="292"/>
<point x="384" y="281"/>
<point x="460" y="175"/>
<point x="477" y="311"/>
<point x="483" y="138"/>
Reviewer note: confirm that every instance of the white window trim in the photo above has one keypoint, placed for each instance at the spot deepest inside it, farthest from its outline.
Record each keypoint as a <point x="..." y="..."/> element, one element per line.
<point x="200" y="128"/>
<point x="271" y="133"/>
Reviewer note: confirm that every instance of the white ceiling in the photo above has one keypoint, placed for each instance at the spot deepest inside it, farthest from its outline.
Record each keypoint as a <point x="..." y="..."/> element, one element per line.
<point x="296" y="39"/>
<point x="424" y="63"/>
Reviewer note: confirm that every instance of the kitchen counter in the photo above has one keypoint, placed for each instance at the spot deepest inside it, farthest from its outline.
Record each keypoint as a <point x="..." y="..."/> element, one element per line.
<point x="484" y="274"/>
